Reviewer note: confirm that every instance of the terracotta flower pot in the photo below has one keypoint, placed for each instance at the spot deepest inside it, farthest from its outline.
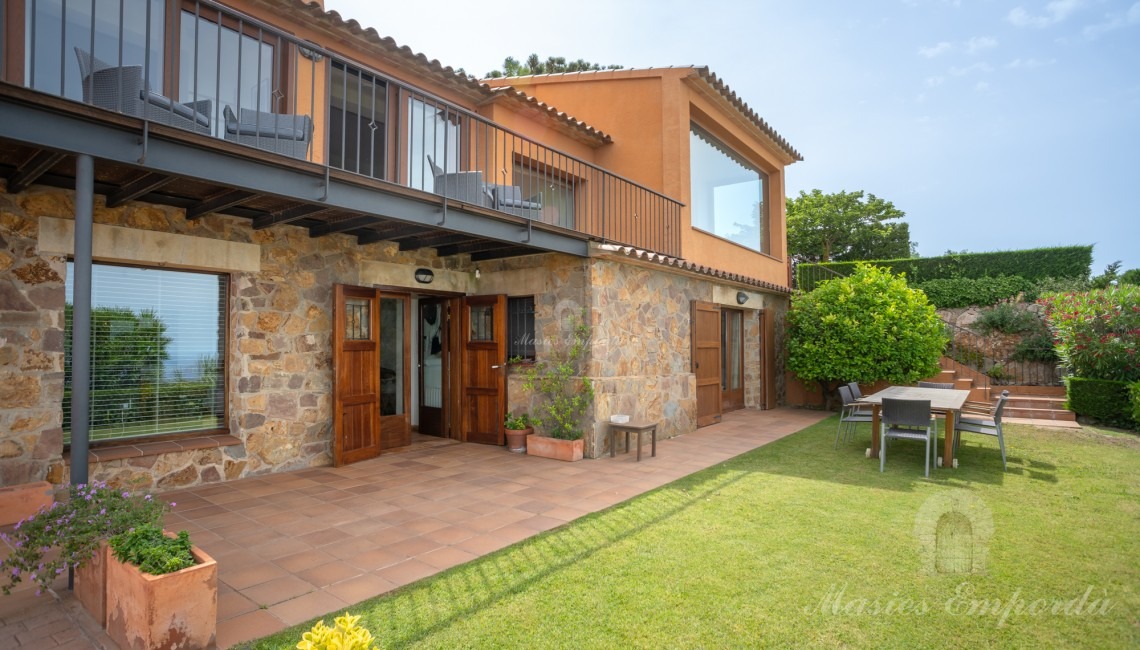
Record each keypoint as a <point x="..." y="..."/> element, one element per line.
<point x="22" y="501"/>
<point x="544" y="447"/>
<point x="91" y="584"/>
<point x="174" y="610"/>
<point x="516" y="439"/>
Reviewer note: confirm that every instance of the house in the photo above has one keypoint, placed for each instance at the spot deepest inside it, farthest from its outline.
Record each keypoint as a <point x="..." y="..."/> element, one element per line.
<point x="305" y="244"/>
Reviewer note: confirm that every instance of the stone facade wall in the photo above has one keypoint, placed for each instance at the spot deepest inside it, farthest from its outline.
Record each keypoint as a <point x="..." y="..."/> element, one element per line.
<point x="280" y="343"/>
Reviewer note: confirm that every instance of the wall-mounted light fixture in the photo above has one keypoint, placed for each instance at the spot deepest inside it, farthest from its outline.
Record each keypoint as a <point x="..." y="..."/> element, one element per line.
<point x="741" y="297"/>
<point x="424" y="276"/>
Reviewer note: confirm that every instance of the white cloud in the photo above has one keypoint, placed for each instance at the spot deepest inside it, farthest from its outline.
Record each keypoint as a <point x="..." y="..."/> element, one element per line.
<point x="981" y="87"/>
<point x="1028" y="64"/>
<point x="1056" y="11"/>
<point x="979" y="43"/>
<point x="1114" y="21"/>
<point x="931" y="82"/>
<point x="935" y="50"/>
<point x="977" y="67"/>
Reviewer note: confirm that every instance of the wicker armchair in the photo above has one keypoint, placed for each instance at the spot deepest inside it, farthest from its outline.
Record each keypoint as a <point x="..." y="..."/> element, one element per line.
<point x="280" y="133"/>
<point x="123" y="89"/>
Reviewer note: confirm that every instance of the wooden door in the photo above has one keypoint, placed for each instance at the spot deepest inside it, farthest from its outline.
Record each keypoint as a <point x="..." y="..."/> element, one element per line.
<point x="433" y="355"/>
<point x="484" y="368"/>
<point x="394" y="332"/>
<point x="706" y="358"/>
<point x="732" y="359"/>
<point x="356" y="375"/>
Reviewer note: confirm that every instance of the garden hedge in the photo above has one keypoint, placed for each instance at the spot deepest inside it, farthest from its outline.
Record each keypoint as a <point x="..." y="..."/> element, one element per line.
<point x="1110" y="402"/>
<point x="948" y="293"/>
<point x="1031" y="264"/>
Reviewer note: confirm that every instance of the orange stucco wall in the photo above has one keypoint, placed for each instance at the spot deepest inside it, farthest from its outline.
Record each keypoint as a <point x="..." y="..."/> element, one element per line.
<point x="648" y="112"/>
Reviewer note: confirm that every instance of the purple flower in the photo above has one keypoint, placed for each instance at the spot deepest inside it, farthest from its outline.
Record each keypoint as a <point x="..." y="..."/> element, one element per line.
<point x="126" y="495"/>
<point x="147" y="498"/>
<point x="15" y="571"/>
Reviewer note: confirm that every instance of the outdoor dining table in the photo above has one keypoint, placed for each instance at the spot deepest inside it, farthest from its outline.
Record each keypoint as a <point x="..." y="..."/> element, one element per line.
<point x="942" y="400"/>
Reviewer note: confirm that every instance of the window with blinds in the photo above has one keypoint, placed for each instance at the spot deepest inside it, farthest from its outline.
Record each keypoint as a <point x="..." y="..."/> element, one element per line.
<point x="727" y="193"/>
<point x="520" y="328"/>
<point x="157" y="352"/>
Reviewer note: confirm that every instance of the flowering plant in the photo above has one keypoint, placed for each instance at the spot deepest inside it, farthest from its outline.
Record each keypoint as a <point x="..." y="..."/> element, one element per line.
<point x="92" y="513"/>
<point x="1097" y="332"/>
<point x="347" y="634"/>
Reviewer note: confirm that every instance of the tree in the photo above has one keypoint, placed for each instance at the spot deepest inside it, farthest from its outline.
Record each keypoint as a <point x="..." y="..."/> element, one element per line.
<point x="846" y="227"/>
<point x="552" y="65"/>
<point x="866" y="327"/>
<point x="127" y="347"/>
<point x="1105" y="280"/>
<point x="1131" y="276"/>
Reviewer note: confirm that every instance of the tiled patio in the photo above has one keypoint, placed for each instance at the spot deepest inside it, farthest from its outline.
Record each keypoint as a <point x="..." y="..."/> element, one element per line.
<point x="296" y="545"/>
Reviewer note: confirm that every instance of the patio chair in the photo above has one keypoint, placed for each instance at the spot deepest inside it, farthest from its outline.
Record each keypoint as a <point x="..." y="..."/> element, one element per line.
<point x="850" y="414"/>
<point x="906" y="419"/>
<point x="280" y="133"/>
<point x="983" y="425"/>
<point x="509" y="198"/>
<point x="468" y="187"/>
<point x="123" y="89"/>
<point x="935" y="384"/>
<point x="856" y="392"/>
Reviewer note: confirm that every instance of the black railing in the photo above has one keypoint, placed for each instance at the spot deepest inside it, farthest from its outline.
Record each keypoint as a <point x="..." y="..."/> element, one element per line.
<point x="808" y="276"/>
<point x="1004" y="360"/>
<point x="219" y="72"/>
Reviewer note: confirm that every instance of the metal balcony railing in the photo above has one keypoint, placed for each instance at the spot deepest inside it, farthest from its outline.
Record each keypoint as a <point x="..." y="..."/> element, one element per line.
<point x="201" y="66"/>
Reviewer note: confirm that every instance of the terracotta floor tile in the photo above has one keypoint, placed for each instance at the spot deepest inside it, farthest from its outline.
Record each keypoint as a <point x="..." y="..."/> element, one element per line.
<point x="322" y="537"/>
<point x="329" y="573"/>
<point x="350" y="547"/>
<point x="298" y="562"/>
<point x="303" y="608"/>
<point x="251" y="575"/>
<point x="406" y="572"/>
<point x="361" y="588"/>
<point x="446" y="557"/>
<point x="539" y="523"/>
<point x="233" y="604"/>
<point x="276" y="591"/>
<point x="247" y="627"/>
<point x="425" y="524"/>
<point x="413" y="546"/>
<point x="481" y="544"/>
<point x="375" y="559"/>
<point x="450" y="534"/>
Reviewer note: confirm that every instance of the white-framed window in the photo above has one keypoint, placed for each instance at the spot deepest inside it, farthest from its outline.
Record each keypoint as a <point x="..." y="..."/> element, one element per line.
<point x="158" y="342"/>
<point x="728" y="193"/>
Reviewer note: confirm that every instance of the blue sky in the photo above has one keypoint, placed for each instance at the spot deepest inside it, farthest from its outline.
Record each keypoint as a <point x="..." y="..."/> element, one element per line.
<point x="994" y="125"/>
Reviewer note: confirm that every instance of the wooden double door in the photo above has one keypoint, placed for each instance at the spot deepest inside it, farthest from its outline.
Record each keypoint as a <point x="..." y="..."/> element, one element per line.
<point x="718" y="354"/>
<point x="372" y="370"/>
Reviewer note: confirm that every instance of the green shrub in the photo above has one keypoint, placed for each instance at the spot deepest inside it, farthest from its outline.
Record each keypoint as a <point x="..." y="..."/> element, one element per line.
<point x="864" y="328"/>
<point x="1131" y="276"/>
<point x="152" y="552"/>
<point x="1036" y="347"/>
<point x="1097" y="332"/>
<point x="1108" y="401"/>
<point x="1044" y="286"/>
<point x="1033" y="264"/>
<point x="1007" y="319"/>
<point x="948" y="293"/>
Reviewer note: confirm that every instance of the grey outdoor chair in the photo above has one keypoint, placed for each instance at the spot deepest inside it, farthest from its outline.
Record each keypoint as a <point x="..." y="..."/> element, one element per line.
<point x="123" y="89"/>
<point x="468" y="187"/>
<point x="856" y="392"/>
<point x="986" y="426"/>
<point x="509" y="198"/>
<point x="905" y="419"/>
<point x="850" y="414"/>
<point x="280" y="133"/>
<point x="935" y="384"/>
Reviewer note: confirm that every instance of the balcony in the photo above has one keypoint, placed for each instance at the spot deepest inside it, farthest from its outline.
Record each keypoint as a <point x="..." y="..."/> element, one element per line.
<point x="226" y="113"/>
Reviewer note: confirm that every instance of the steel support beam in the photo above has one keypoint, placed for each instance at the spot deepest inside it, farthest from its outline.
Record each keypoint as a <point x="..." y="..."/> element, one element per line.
<point x="42" y="127"/>
<point x="145" y="184"/>
<point x="472" y="247"/>
<point x="433" y="241"/>
<point x="227" y="199"/>
<point x="352" y="223"/>
<point x="514" y="251"/>
<point x="288" y="215"/>
<point x="33" y="169"/>
<point x="81" y="317"/>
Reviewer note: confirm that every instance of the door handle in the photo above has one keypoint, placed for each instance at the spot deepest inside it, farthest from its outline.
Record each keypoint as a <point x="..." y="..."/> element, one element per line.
<point x="495" y="367"/>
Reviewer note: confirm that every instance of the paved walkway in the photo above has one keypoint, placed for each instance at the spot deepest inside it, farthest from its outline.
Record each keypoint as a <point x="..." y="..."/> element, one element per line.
<point x="297" y="545"/>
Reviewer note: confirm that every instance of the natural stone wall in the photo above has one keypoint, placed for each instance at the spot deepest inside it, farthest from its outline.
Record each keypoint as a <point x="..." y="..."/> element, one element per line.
<point x="31" y="348"/>
<point x="280" y="343"/>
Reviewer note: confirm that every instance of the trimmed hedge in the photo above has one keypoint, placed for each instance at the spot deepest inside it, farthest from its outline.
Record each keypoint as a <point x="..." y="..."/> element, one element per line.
<point x="1032" y="264"/>
<point x="1110" y="402"/>
<point x="947" y="293"/>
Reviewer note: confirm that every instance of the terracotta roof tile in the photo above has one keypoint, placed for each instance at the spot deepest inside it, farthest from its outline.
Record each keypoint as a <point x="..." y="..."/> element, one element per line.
<point x="685" y="265"/>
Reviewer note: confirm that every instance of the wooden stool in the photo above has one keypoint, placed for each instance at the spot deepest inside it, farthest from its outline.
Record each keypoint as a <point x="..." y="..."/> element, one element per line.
<point x="640" y="428"/>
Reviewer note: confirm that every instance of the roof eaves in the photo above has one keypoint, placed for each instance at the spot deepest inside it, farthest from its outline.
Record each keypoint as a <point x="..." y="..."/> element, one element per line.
<point x="685" y="265"/>
<point x="739" y="104"/>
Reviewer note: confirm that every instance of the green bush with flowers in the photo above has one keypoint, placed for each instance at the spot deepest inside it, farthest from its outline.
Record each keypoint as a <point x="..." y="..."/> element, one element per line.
<point x="1097" y="333"/>
<point x="92" y="513"/>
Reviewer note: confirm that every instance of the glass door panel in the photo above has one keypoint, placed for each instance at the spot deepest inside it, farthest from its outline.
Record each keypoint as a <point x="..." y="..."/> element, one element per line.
<point x="392" y="352"/>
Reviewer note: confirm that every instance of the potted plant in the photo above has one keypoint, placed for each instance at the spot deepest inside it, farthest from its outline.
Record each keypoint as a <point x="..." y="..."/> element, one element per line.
<point x="78" y="527"/>
<point x="517" y="427"/>
<point x="161" y="591"/>
<point x="565" y="397"/>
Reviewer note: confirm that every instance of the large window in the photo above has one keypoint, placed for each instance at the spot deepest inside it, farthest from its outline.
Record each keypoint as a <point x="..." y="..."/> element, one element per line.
<point x="357" y="121"/>
<point x="157" y="352"/>
<point x="433" y="143"/>
<point x="56" y="29"/>
<point x="728" y="193"/>
<point x="227" y="67"/>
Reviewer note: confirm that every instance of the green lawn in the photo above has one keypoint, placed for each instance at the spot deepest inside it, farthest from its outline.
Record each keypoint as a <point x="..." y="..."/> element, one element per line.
<point x="752" y="552"/>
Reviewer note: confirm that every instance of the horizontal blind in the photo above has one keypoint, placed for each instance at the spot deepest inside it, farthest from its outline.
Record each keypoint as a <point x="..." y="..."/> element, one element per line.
<point x="157" y="352"/>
